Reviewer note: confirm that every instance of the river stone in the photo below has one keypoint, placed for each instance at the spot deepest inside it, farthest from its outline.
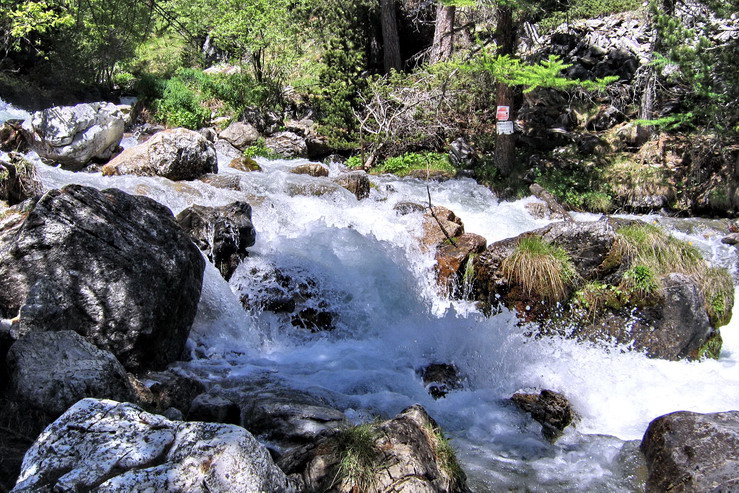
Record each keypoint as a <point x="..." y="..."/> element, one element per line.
<point x="312" y="169"/>
<point x="106" y="446"/>
<point x="692" y="452"/>
<point x="357" y="182"/>
<point x="551" y="409"/>
<point x="177" y="154"/>
<point x="441" y="378"/>
<point x="113" y="267"/>
<point x="405" y="450"/>
<point x="439" y="224"/>
<point x="452" y="260"/>
<point x="287" y="144"/>
<point x="50" y="371"/>
<point x="222" y="233"/>
<point x="240" y="135"/>
<point x="75" y="135"/>
<point x="245" y="164"/>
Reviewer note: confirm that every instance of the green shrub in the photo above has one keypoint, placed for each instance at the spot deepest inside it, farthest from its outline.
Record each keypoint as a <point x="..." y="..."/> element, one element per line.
<point x="640" y="282"/>
<point x="260" y="149"/>
<point x="354" y="162"/>
<point x="595" y="295"/>
<point x="180" y="106"/>
<point x="540" y="267"/>
<point x="406" y="163"/>
<point x="598" y="202"/>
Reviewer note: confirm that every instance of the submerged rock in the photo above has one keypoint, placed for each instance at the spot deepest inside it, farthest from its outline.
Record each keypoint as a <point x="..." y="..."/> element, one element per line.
<point x="441" y="378"/>
<point x="75" y="135"/>
<point x="551" y="409"/>
<point x="454" y="261"/>
<point x="222" y="233"/>
<point x="113" y="267"/>
<point x="439" y="224"/>
<point x="312" y="169"/>
<point x="177" y="154"/>
<point x="692" y="452"/>
<point x="106" y="446"/>
<point x="406" y="454"/>
<point x="50" y="371"/>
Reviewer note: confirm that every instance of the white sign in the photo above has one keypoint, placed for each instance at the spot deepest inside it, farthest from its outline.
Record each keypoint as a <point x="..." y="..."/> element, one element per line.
<point x="504" y="128"/>
<point x="503" y="113"/>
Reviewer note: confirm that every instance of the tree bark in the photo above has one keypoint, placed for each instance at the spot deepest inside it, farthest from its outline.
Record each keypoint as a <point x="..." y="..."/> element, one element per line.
<point x="390" y="39"/>
<point x="443" y="34"/>
<point x="505" y="145"/>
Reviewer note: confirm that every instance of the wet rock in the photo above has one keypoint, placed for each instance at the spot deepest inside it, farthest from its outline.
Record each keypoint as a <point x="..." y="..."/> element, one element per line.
<point x="50" y="371"/>
<point x="731" y="239"/>
<point x="177" y="154"/>
<point x="357" y="182"/>
<point x="287" y="144"/>
<point x="558" y="211"/>
<point x="210" y="134"/>
<point x="439" y="224"/>
<point x="225" y="149"/>
<point x="213" y="408"/>
<point x="405" y="451"/>
<point x="245" y="164"/>
<point x="692" y="452"/>
<point x="404" y="208"/>
<point x="549" y="408"/>
<point x="18" y="180"/>
<point x="441" y="378"/>
<point x="587" y="243"/>
<point x="240" y="135"/>
<point x="113" y="267"/>
<point x="462" y="155"/>
<point x="226" y="182"/>
<point x="312" y="169"/>
<point x="454" y="261"/>
<point x="222" y="233"/>
<point x="106" y="446"/>
<point x="11" y="137"/>
<point x="75" y="135"/>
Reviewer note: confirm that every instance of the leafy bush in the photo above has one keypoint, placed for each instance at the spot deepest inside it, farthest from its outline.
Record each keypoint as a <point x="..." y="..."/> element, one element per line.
<point x="406" y="163"/>
<point x="541" y="268"/>
<point x="180" y="106"/>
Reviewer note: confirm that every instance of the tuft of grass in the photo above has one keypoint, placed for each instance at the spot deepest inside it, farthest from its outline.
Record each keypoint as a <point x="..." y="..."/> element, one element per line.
<point x="718" y="291"/>
<point x="640" y="282"/>
<point x="598" y="202"/>
<point x="541" y="268"/>
<point x="446" y="456"/>
<point x="359" y="460"/>
<point x="651" y="246"/>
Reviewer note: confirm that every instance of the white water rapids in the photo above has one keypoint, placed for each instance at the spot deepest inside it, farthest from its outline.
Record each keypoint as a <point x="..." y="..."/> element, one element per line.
<point x="392" y="321"/>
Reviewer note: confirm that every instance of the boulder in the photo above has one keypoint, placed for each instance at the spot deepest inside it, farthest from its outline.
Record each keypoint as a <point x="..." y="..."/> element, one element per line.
<point x="404" y="208"/>
<point x="551" y="409"/>
<point x="50" y="371"/>
<point x="177" y="154"/>
<point x="245" y="164"/>
<point x="222" y="233"/>
<point x="106" y="446"/>
<point x="75" y="135"/>
<point x="225" y="149"/>
<point x="357" y="182"/>
<point x="313" y="169"/>
<point x="113" y="267"/>
<point x="408" y="454"/>
<point x="18" y="180"/>
<point x="454" y="260"/>
<point x="240" y="135"/>
<point x="439" y="224"/>
<point x="692" y="452"/>
<point x="226" y="182"/>
<point x="287" y="144"/>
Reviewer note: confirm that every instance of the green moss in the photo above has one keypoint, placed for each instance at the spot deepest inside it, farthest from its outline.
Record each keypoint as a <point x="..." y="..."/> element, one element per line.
<point x="718" y="291"/>
<point x="711" y="348"/>
<point x="595" y="295"/>
<point x="540" y="267"/>
<point x="469" y="269"/>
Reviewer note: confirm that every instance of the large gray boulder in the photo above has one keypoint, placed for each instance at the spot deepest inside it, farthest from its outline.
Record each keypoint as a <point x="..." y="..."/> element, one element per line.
<point x="240" y="135"/>
<point x="177" y="154"/>
<point x="75" y="135"/>
<point x="113" y="267"/>
<point x="692" y="452"/>
<point x="222" y="233"/>
<point x="105" y="446"/>
<point x="287" y="144"/>
<point x="52" y="370"/>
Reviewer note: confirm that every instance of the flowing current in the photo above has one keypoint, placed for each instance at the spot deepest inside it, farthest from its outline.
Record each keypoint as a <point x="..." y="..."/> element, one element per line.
<point x="364" y="261"/>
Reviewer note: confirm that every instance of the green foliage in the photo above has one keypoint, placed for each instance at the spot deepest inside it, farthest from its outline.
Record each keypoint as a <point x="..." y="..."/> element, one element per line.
<point x="406" y="163"/>
<point x="354" y="162"/>
<point x="260" y="149"/>
<point x="652" y="247"/>
<point x="359" y="460"/>
<point x="640" y="282"/>
<point x="598" y="202"/>
<point x="180" y="106"/>
<point x="571" y="10"/>
<point x="446" y="456"/>
<point x="711" y="348"/>
<point x="577" y="184"/>
<point x="540" y="267"/>
<point x="595" y="295"/>
<point x="718" y="290"/>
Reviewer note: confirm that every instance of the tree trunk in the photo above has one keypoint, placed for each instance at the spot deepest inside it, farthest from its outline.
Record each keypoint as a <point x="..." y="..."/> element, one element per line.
<point x="390" y="39"/>
<point x="443" y="34"/>
<point x="505" y="145"/>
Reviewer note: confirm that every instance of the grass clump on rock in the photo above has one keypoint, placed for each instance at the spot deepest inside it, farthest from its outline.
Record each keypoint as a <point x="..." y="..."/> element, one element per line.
<point x="541" y="268"/>
<point x="359" y="460"/>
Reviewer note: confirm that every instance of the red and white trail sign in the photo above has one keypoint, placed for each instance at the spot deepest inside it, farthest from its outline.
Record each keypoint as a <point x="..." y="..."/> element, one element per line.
<point x="503" y="113"/>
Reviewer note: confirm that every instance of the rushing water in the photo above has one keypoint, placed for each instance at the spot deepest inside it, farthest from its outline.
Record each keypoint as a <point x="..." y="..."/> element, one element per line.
<point x="366" y="264"/>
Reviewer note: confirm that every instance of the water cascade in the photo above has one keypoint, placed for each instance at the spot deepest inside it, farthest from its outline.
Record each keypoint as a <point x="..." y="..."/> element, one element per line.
<point x="365" y="264"/>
